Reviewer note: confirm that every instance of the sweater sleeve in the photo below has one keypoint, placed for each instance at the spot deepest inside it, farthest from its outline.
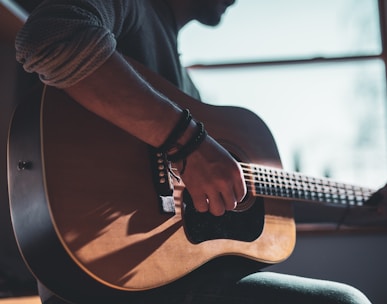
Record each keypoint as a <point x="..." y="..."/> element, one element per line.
<point x="64" y="41"/>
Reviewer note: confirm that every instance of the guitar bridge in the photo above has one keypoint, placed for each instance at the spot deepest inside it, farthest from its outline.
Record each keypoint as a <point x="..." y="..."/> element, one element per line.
<point x="162" y="180"/>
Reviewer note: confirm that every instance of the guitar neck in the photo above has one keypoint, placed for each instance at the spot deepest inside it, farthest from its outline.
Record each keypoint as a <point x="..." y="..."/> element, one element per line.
<point x="277" y="183"/>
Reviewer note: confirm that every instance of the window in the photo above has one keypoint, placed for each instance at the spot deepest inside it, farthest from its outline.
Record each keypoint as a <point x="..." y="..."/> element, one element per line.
<point x="278" y="29"/>
<point x="312" y="70"/>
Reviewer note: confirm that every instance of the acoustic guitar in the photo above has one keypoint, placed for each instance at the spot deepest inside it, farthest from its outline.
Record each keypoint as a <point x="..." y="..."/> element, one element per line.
<point x="88" y="214"/>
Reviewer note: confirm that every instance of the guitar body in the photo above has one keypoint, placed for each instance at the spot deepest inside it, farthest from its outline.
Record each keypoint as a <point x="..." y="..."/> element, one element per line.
<point x="85" y="210"/>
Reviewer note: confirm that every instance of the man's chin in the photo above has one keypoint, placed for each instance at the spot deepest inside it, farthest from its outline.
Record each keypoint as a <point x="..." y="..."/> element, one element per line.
<point x="211" y="21"/>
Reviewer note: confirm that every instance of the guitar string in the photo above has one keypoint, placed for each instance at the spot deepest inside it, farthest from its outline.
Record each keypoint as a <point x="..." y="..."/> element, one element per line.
<point x="285" y="178"/>
<point x="312" y="187"/>
<point x="295" y="185"/>
<point x="307" y="188"/>
<point x="311" y="195"/>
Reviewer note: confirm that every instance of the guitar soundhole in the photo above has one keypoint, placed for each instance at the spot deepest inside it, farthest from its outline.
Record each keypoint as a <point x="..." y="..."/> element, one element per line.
<point x="244" y="226"/>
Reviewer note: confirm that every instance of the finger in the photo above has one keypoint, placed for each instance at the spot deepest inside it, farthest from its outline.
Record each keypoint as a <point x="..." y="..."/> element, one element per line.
<point x="240" y="188"/>
<point x="200" y="202"/>
<point x="229" y="199"/>
<point x="216" y="205"/>
<point x="240" y="192"/>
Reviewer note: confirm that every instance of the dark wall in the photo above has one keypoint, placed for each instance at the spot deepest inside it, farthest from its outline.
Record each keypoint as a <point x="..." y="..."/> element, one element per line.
<point x="8" y="250"/>
<point x="15" y="278"/>
<point x="12" y="268"/>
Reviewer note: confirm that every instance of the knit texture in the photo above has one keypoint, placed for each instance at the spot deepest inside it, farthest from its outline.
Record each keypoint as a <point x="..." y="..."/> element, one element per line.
<point x="65" y="49"/>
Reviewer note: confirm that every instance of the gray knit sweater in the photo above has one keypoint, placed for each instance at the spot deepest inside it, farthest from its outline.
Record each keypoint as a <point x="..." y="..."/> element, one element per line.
<point x="66" y="40"/>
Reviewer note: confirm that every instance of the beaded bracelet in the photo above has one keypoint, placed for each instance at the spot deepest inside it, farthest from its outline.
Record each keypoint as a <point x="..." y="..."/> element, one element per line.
<point x="177" y="131"/>
<point x="191" y="145"/>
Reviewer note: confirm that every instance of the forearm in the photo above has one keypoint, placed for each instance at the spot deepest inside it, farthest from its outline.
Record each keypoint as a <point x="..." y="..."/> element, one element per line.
<point x="119" y="94"/>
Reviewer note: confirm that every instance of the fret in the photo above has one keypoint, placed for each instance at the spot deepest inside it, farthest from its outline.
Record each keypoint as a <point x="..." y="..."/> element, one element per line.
<point x="272" y="182"/>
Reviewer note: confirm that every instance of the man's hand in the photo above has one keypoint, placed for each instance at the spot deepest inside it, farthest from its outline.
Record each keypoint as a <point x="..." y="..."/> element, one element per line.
<point x="213" y="178"/>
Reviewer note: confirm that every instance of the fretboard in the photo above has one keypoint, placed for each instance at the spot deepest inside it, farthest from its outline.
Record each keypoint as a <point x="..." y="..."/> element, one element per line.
<point x="277" y="183"/>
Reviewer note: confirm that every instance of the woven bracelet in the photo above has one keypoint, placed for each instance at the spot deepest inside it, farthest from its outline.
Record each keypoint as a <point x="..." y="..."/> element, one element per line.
<point x="177" y="131"/>
<point x="191" y="145"/>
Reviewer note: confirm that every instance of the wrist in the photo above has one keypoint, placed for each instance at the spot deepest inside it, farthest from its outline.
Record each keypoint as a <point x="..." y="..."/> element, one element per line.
<point x="194" y="140"/>
<point x="183" y="140"/>
<point x="177" y="132"/>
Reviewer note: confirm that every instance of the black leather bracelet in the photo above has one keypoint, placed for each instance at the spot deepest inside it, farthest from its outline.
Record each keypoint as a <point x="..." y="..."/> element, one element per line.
<point x="191" y="145"/>
<point x="177" y="131"/>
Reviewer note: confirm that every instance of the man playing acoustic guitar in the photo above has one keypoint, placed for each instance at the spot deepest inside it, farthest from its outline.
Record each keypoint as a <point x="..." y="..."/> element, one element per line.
<point x="113" y="57"/>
